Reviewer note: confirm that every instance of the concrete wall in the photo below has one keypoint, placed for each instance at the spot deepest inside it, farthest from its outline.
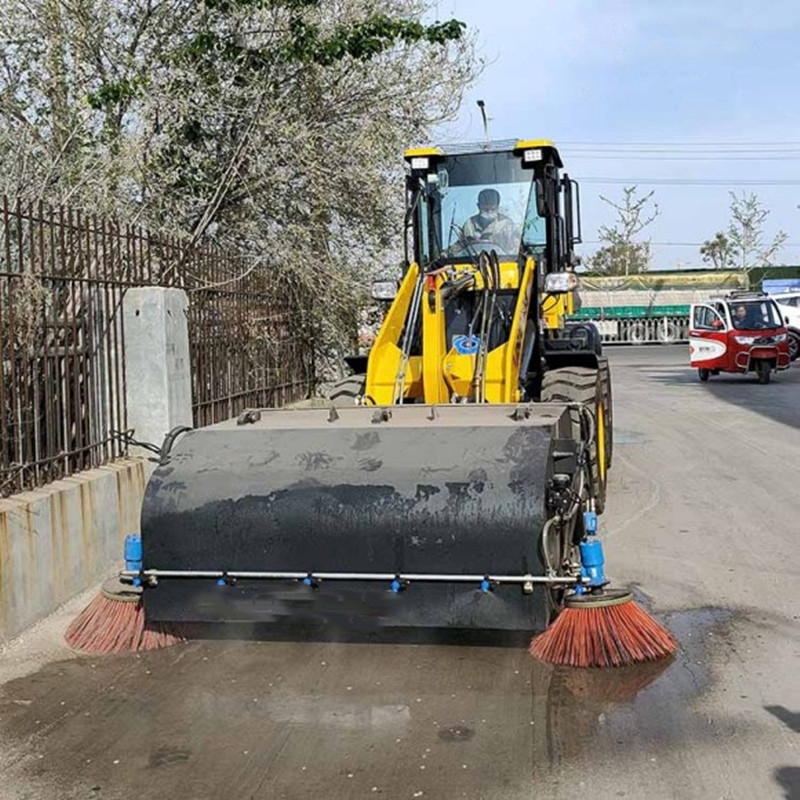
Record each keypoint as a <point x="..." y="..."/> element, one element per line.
<point x="57" y="541"/>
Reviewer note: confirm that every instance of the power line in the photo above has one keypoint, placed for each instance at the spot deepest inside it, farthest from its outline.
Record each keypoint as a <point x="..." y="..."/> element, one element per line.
<point x="680" y="244"/>
<point x="679" y="144"/>
<point x="667" y="150"/>
<point x="692" y="181"/>
<point x="714" y="157"/>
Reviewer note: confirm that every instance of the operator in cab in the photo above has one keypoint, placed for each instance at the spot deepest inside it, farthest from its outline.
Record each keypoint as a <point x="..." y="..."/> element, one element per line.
<point x="490" y="225"/>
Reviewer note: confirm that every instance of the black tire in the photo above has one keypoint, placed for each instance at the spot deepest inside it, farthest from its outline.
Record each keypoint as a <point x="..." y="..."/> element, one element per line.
<point x="703" y="374"/>
<point x="763" y="370"/>
<point x="794" y="345"/>
<point x="583" y="385"/>
<point x="346" y="390"/>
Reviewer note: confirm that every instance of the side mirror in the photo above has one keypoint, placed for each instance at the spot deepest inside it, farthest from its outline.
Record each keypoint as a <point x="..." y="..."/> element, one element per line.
<point x="384" y="290"/>
<point x="786" y="320"/>
<point x="443" y="181"/>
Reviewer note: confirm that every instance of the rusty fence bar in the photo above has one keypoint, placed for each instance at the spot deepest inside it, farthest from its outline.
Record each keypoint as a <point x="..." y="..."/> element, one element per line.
<point x="63" y="276"/>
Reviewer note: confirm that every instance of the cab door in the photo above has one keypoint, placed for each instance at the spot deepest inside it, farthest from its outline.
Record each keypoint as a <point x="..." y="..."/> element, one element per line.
<point x="708" y="338"/>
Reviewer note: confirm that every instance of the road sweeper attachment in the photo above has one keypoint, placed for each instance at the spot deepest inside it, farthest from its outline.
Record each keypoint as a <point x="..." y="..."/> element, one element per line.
<point x="424" y="516"/>
<point x="450" y="490"/>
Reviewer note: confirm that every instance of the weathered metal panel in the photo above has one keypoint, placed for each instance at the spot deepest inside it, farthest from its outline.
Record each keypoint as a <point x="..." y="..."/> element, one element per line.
<point x="432" y="489"/>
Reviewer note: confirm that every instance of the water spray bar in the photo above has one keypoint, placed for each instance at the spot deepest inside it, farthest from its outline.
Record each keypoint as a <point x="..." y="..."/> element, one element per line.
<point x="398" y="581"/>
<point x="352" y="576"/>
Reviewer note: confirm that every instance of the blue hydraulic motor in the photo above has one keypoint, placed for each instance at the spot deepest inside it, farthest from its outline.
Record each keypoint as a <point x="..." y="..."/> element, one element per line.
<point x="592" y="559"/>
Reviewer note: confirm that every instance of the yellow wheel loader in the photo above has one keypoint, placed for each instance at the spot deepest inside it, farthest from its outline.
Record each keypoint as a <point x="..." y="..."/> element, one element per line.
<point x="447" y="485"/>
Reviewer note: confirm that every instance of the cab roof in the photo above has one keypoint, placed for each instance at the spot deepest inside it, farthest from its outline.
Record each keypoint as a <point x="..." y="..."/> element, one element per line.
<point x="496" y="146"/>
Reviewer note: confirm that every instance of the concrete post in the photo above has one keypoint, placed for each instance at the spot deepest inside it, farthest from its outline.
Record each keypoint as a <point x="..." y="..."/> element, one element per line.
<point x="158" y="386"/>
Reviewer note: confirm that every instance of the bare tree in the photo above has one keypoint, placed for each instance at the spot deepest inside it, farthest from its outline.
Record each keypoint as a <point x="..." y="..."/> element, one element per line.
<point x="622" y="254"/>
<point x="746" y="232"/>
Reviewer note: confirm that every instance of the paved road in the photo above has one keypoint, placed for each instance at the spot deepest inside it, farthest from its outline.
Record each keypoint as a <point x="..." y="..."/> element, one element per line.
<point x="703" y="516"/>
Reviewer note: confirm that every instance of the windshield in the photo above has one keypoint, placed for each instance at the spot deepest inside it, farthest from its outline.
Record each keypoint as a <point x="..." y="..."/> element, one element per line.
<point x="755" y="316"/>
<point x="482" y="201"/>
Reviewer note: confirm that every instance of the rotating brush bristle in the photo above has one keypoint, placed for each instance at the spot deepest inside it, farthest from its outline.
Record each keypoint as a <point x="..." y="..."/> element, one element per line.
<point x="600" y="627"/>
<point x="608" y="629"/>
<point x="114" y="622"/>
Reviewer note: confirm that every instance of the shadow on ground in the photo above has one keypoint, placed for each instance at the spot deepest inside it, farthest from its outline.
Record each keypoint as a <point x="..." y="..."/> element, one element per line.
<point x="788" y="778"/>
<point x="779" y="400"/>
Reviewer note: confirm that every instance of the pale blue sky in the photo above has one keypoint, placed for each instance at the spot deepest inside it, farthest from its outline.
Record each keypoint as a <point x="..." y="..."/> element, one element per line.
<point x="696" y="80"/>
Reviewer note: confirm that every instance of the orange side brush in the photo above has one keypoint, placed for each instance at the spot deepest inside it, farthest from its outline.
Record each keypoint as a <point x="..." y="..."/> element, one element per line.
<point x="114" y="622"/>
<point x="603" y="630"/>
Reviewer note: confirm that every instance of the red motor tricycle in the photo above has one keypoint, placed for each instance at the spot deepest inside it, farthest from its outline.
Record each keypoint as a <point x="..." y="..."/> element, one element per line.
<point x="738" y="332"/>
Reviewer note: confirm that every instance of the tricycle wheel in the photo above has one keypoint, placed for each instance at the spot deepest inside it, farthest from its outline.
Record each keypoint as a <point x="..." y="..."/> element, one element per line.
<point x="703" y="374"/>
<point x="763" y="370"/>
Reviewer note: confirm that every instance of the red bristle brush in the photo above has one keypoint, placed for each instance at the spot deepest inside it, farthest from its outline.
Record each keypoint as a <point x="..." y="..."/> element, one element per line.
<point x="605" y="629"/>
<point x="114" y="622"/>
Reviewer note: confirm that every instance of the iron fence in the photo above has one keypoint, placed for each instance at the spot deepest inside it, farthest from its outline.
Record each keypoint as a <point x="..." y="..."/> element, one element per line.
<point x="63" y="275"/>
<point x="246" y="348"/>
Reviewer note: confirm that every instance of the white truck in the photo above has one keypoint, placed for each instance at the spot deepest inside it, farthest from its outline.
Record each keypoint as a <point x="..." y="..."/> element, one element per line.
<point x="789" y="306"/>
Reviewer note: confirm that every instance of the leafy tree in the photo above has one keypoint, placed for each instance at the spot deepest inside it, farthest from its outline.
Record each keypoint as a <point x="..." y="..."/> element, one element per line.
<point x="275" y="127"/>
<point x="719" y="252"/>
<point x="621" y="253"/>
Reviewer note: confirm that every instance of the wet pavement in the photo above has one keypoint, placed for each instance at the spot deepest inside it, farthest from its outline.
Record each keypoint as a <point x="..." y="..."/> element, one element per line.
<point x="348" y="720"/>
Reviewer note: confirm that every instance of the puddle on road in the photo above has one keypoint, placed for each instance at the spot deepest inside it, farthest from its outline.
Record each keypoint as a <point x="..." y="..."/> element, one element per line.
<point x="617" y="711"/>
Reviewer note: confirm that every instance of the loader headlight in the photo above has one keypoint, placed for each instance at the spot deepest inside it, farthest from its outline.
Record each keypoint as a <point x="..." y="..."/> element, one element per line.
<point x="529" y="156"/>
<point x="384" y="290"/>
<point x="745" y="339"/>
<point x="420" y="163"/>
<point x="560" y="282"/>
